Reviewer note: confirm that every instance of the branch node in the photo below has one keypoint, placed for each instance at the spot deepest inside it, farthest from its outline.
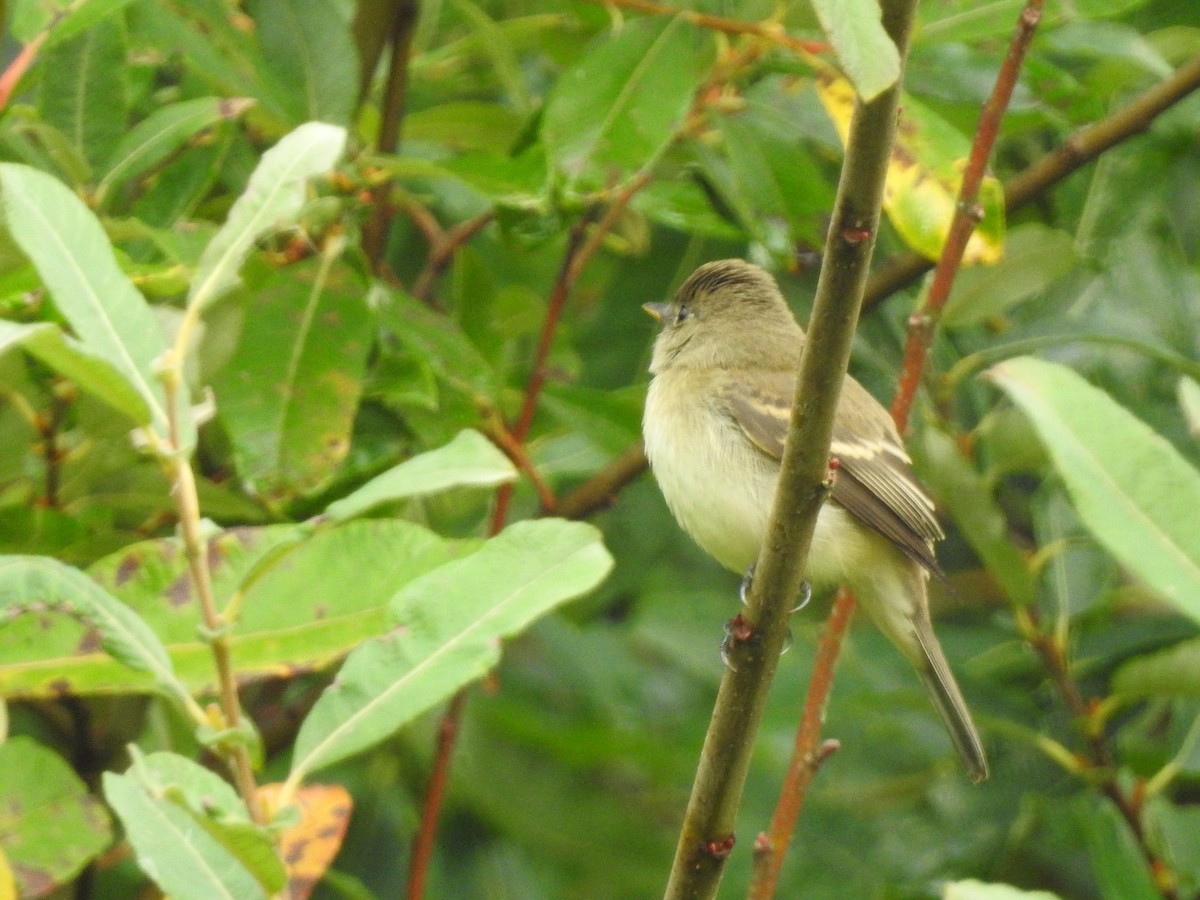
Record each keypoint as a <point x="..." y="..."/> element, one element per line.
<point x="856" y="234"/>
<point x="718" y="848"/>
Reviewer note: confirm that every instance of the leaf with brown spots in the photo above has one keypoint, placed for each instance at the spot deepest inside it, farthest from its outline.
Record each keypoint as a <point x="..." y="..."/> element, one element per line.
<point x="310" y="845"/>
<point x="50" y="827"/>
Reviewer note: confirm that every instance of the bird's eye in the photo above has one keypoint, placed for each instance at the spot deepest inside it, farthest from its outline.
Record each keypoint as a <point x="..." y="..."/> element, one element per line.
<point x="683" y="313"/>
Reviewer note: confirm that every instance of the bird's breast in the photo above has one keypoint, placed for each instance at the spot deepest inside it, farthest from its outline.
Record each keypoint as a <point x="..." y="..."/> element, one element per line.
<point x="717" y="484"/>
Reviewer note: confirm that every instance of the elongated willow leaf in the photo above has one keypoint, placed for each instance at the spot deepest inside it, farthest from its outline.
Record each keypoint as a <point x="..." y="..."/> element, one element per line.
<point x="72" y="254"/>
<point x="451" y="622"/>
<point x="1133" y="490"/>
<point x="274" y="195"/>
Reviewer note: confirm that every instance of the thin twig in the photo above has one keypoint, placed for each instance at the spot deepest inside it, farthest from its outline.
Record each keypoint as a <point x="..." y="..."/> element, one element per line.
<point x="758" y="636"/>
<point x="441" y="252"/>
<point x="771" y="848"/>
<point x="187" y="502"/>
<point x="1053" y="655"/>
<point x="772" y="32"/>
<point x="580" y="249"/>
<point x="967" y="215"/>
<point x="423" y="843"/>
<point x="1077" y="151"/>
<point x="499" y="434"/>
<point x="395" y="95"/>
<point x="600" y="490"/>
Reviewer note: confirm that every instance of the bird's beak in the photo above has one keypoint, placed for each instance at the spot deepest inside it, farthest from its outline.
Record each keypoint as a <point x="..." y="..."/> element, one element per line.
<point x="657" y="311"/>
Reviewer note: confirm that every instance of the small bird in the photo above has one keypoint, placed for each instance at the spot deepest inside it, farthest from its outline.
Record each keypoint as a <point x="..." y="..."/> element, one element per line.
<point x="717" y="413"/>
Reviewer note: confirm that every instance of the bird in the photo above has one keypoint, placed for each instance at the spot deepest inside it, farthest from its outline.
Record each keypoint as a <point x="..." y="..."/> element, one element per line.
<point x="724" y="368"/>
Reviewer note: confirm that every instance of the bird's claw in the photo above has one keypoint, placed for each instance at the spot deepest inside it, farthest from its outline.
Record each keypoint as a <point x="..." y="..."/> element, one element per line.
<point x="805" y="596"/>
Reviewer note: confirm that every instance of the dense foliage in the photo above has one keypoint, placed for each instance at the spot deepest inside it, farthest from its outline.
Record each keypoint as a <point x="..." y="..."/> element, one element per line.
<point x="370" y="274"/>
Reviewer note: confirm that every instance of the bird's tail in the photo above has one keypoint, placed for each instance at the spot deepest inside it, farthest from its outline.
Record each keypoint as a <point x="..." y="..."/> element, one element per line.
<point x="948" y="699"/>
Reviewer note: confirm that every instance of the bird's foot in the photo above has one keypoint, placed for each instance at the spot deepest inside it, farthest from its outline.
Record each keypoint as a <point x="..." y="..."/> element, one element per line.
<point x="805" y="596"/>
<point x="747" y="582"/>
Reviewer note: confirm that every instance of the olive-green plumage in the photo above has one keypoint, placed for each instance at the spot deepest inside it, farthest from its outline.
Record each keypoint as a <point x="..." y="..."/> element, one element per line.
<point x="717" y="414"/>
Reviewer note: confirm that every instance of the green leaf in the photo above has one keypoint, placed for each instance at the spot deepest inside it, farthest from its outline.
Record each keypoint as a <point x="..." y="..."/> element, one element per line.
<point x="180" y="857"/>
<point x="979" y="890"/>
<point x="435" y="341"/>
<point x="161" y="134"/>
<point x="867" y="55"/>
<point x="216" y="808"/>
<point x="296" y="611"/>
<point x="975" y="511"/>
<point x="1116" y="861"/>
<point x="30" y="584"/>
<point x="1034" y="258"/>
<point x="273" y="196"/>
<point x="1189" y="402"/>
<point x="288" y="395"/>
<point x="466" y="125"/>
<point x="451" y="622"/>
<point x="50" y="826"/>
<point x="1132" y="488"/>
<point x="83" y="88"/>
<point x="468" y="460"/>
<point x="64" y="241"/>
<point x="1173" y="672"/>
<point x="64" y="19"/>
<point x="310" y="57"/>
<point x="621" y="105"/>
<point x="90" y="371"/>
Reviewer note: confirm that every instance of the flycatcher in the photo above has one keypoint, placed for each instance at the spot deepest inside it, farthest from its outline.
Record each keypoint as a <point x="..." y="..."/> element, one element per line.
<point x="725" y="366"/>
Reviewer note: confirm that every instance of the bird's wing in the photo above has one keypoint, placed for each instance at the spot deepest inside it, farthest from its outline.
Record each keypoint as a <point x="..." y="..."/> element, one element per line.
<point x="874" y="482"/>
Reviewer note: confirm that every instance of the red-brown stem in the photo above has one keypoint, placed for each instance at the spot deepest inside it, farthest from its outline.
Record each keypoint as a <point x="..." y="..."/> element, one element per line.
<point x="924" y="321"/>
<point x="18" y="67"/>
<point x="395" y="95"/>
<point x="442" y="251"/>
<point x="537" y="376"/>
<point x="579" y="251"/>
<point x="507" y="442"/>
<point x="423" y="843"/>
<point x="809" y="752"/>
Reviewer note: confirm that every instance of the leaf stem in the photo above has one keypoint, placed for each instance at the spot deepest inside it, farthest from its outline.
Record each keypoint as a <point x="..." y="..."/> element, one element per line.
<point x="187" y="503"/>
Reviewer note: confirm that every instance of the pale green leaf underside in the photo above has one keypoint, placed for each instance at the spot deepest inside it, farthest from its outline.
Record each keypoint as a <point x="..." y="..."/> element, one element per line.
<point x="1133" y="489"/>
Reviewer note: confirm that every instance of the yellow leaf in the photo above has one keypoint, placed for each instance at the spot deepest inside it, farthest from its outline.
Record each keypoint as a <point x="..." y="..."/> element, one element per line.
<point x="924" y="176"/>
<point x="309" y="846"/>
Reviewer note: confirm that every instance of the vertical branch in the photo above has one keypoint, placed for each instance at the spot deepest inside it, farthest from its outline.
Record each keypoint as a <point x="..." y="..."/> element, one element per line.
<point x="809" y="752"/>
<point x="707" y="838"/>
<point x="395" y="93"/>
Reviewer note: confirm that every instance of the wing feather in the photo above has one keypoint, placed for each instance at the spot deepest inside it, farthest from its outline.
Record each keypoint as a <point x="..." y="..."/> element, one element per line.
<point x="875" y="481"/>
